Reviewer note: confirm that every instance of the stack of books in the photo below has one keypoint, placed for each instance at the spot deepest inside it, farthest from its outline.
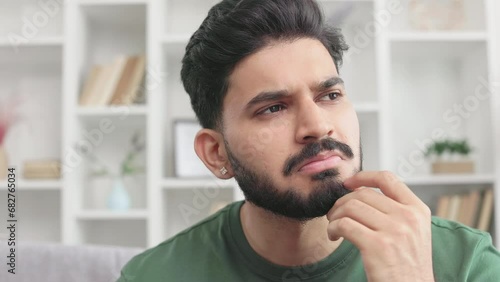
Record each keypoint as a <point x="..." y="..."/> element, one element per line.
<point x="42" y="169"/>
<point x="118" y="83"/>
<point x="474" y="209"/>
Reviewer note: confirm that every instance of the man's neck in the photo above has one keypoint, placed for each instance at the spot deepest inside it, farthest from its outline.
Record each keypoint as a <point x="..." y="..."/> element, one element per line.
<point x="285" y="241"/>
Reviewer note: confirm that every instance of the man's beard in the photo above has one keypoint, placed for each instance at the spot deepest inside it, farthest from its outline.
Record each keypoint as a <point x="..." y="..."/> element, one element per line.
<point x="260" y="190"/>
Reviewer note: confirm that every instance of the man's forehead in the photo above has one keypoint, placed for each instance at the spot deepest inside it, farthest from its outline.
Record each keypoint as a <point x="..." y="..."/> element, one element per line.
<point x="281" y="66"/>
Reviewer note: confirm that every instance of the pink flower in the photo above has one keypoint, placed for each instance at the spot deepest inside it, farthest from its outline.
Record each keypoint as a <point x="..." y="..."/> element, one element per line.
<point x="8" y="116"/>
<point x="3" y="131"/>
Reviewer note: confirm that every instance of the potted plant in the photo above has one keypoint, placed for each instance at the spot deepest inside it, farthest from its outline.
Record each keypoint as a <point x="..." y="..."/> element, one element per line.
<point x="450" y="156"/>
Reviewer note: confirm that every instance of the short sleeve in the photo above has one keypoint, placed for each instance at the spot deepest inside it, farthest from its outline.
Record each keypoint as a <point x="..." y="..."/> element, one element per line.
<point x="485" y="264"/>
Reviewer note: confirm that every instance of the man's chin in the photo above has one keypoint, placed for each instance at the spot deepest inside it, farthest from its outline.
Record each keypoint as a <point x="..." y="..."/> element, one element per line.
<point x="302" y="205"/>
<point x="286" y="216"/>
<point x="290" y="216"/>
<point x="326" y="175"/>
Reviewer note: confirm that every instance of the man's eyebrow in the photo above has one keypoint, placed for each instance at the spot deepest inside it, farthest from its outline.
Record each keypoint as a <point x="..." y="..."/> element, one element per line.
<point x="267" y="96"/>
<point x="330" y="82"/>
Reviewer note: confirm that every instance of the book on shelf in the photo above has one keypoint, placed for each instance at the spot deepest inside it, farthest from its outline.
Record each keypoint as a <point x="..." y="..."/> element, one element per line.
<point x="90" y="85"/>
<point x="110" y="80"/>
<point x="42" y="169"/>
<point x="117" y="83"/>
<point x="128" y="87"/>
<point x="473" y="209"/>
<point x="442" y="206"/>
<point x="486" y="211"/>
<point x="453" y="209"/>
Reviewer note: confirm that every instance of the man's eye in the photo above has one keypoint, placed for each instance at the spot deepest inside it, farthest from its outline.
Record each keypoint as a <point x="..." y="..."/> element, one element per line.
<point x="331" y="96"/>
<point x="273" y="109"/>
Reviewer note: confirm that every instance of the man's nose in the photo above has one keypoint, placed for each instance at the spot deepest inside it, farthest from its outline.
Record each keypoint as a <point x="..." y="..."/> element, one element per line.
<point x="312" y="123"/>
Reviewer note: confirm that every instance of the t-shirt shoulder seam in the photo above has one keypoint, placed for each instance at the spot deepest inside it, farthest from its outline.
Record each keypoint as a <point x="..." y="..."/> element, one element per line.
<point x="439" y="224"/>
<point x="479" y="242"/>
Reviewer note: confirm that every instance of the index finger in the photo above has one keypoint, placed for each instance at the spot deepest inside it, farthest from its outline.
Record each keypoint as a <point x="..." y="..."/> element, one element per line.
<point x="388" y="183"/>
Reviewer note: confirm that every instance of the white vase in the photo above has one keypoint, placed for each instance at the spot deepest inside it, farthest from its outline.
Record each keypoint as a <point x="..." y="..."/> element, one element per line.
<point x="118" y="199"/>
<point x="4" y="163"/>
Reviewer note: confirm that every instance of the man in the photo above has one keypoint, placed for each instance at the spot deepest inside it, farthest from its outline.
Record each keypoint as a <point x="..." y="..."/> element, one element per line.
<point x="264" y="83"/>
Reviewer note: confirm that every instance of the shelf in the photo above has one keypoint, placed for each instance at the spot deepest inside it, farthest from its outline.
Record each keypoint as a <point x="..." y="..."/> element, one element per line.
<point x="438" y="36"/>
<point x="34" y="185"/>
<point x="40" y="184"/>
<point x="434" y="47"/>
<point x="180" y="183"/>
<point x="44" y="41"/>
<point x="32" y="56"/>
<point x="112" y="215"/>
<point x="112" y="2"/>
<point x="112" y="111"/>
<point x="450" y="179"/>
<point x="329" y="1"/>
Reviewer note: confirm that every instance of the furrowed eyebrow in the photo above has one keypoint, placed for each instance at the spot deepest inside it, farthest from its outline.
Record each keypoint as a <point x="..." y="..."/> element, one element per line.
<point x="333" y="81"/>
<point x="267" y="96"/>
<point x="270" y="96"/>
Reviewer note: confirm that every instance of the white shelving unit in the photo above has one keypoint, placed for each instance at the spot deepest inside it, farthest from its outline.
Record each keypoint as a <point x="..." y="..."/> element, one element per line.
<point x="34" y="185"/>
<point x="111" y="215"/>
<point x="44" y="41"/>
<point x="401" y="81"/>
<point x="448" y="179"/>
<point x="112" y="111"/>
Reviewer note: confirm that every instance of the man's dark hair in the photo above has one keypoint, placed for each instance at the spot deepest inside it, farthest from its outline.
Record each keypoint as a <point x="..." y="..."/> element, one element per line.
<point x="235" y="29"/>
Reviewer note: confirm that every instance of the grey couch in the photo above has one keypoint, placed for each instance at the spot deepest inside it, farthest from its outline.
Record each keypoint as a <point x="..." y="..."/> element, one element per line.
<point x="50" y="262"/>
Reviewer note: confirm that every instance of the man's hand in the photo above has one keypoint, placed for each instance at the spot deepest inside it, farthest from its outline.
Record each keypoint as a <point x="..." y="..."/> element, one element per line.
<point x="392" y="231"/>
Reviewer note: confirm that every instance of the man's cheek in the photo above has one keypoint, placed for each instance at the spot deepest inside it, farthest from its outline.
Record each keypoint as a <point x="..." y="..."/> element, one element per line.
<point x="247" y="151"/>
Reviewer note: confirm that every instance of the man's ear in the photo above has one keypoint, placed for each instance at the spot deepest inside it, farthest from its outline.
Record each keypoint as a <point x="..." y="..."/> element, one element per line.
<point x="209" y="146"/>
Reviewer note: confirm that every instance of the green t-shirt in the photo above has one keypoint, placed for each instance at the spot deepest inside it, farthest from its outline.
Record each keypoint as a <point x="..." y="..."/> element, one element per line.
<point x="216" y="250"/>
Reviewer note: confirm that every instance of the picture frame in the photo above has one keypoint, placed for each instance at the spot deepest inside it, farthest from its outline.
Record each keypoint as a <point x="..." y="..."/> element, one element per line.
<point x="186" y="163"/>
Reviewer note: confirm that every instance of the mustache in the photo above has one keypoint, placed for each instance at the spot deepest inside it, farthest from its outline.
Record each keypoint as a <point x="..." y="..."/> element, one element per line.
<point x="313" y="149"/>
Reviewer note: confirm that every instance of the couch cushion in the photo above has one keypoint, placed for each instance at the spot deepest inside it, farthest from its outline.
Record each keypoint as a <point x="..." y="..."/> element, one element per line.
<point x="51" y="262"/>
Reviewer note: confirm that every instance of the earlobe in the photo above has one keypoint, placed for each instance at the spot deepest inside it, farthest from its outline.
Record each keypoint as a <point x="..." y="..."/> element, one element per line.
<point x="209" y="147"/>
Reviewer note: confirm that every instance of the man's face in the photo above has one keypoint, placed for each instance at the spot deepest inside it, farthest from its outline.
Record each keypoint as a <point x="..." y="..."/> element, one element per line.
<point x="290" y="131"/>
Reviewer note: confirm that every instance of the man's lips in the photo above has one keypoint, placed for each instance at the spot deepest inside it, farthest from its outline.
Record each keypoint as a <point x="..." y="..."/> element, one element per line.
<point x="321" y="162"/>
